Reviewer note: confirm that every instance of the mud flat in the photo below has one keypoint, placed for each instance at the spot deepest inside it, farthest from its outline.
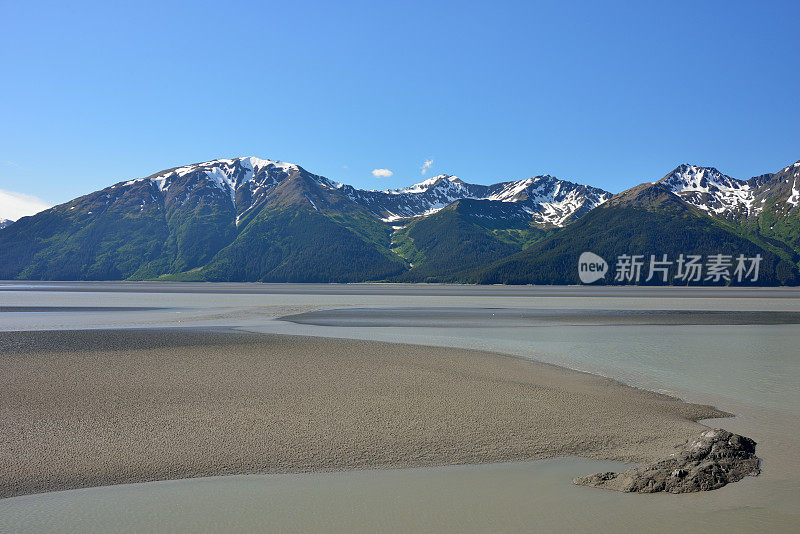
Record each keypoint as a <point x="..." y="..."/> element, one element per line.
<point x="93" y="408"/>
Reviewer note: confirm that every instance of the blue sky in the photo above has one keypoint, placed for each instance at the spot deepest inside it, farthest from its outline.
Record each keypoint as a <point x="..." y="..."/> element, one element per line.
<point x="605" y="93"/>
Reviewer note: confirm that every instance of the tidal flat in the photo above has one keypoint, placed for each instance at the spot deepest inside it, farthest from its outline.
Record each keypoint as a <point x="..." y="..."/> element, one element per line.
<point x="749" y="368"/>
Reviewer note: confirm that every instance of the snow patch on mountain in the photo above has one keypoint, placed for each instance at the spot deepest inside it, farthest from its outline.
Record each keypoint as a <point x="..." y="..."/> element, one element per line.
<point x="229" y="174"/>
<point x="510" y="191"/>
<point x="549" y="200"/>
<point x="391" y="217"/>
<point x="254" y="164"/>
<point x="712" y="191"/>
<point x="794" y="197"/>
<point x="223" y="180"/>
<point x="562" y="207"/>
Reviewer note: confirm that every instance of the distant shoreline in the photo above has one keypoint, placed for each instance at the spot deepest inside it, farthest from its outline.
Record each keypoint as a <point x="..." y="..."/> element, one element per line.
<point x="94" y="408"/>
<point x="402" y="288"/>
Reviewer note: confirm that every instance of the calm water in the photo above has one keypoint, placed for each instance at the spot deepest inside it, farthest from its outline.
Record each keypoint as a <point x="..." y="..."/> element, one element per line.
<point x="514" y="497"/>
<point x="750" y="370"/>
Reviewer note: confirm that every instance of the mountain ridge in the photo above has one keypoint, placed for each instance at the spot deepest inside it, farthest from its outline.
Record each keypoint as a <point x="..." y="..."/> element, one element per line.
<point x="257" y="219"/>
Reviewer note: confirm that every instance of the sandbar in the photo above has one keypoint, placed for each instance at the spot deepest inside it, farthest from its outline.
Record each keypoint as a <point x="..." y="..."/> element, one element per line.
<point x="93" y="408"/>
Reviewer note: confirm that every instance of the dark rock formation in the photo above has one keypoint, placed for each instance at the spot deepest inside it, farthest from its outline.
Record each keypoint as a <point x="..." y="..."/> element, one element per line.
<point x="716" y="458"/>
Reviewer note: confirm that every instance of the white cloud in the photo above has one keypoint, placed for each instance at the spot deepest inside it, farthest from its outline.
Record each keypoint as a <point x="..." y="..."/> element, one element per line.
<point x="426" y="165"/>
<point x="15" y="205"/>
<point x="382" y="173"/>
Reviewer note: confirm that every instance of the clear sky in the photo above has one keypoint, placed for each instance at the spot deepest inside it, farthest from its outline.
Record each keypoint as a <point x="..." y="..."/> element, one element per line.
<point x="609" y="94"/>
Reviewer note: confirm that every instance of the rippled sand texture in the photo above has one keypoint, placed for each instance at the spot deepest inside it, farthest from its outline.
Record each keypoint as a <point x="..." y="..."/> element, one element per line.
<point x="93" y="408"/>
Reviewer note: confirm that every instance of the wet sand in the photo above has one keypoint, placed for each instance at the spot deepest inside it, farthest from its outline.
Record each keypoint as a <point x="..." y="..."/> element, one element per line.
<point x="449" y="317"/>
<point x="92" y="408"/>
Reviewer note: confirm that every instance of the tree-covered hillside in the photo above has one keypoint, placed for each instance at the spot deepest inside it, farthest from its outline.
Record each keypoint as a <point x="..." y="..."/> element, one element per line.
<point x="647" y="220"/>
<point x="460" y="237"/>
<point x="249" y="219"/>
<point x="302" y="245"/>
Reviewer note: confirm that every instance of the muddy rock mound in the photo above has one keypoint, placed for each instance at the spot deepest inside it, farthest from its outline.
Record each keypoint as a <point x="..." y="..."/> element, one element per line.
<point x="716" y="458"/>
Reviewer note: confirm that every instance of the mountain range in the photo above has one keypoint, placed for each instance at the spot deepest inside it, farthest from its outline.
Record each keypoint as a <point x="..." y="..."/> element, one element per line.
<point x="251" y="219"/>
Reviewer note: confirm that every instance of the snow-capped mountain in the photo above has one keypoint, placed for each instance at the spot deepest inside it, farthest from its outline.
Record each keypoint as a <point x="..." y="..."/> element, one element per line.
<point x="721" y="195"/>
<point x="251" y="181"/>
<point x="548" y="200"/>
<point x="439" y="182"/>
<point x="551" y="202"/>
<point x="247" y="181"/>
<point x="423" y="198"/>
<point x="253" y="219"/>
<point x="240" y="185"/>
<point x="5" y="222"/>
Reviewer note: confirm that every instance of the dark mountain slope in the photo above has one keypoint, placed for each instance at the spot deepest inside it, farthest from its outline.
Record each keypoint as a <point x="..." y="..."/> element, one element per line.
<point x="779" y="216"/>
<point x="106" y="235"/>
<point x="648" y="219"/>
<point x="289" y="244"/>
<point x="177" y="220"/>
<point x="765" y="207"/>
<point x="201" y="220"/>
<point x="255" y="219"/>
<point x="462" y="236"/>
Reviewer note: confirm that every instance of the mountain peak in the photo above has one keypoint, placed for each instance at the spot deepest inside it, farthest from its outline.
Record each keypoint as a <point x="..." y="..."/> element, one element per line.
<point x="712" y="191"/>
<point x="229" y="175"/>
<point x="227" y="165"/>
<point x="646" y="194"/>
<point x="694" y="166"/>
<point x="690" y="173"/>
<point x="427" y="185"/>
<point x="794" y="165"/>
